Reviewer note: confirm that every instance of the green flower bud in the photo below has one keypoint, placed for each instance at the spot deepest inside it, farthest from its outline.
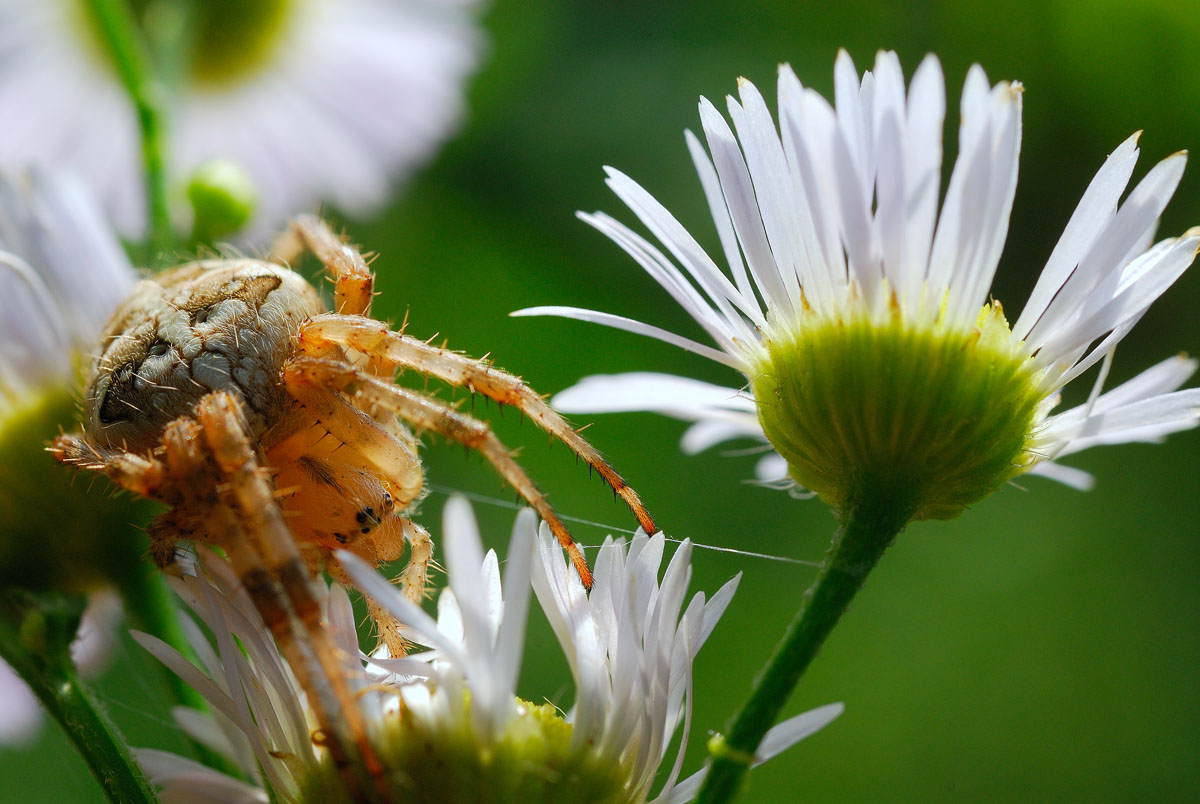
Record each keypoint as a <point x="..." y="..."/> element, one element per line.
<point x="223" y="199"/>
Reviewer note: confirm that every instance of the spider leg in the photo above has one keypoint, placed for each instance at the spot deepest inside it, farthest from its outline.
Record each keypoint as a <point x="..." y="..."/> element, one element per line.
<point x="143" y="475"/>
<point x="413" y="583"/>
<point x="248" y="523"/>
<point x="375" y="339"/>
<point x="358" y="440"/>
<point x="310" y="378"/>
<point x="353" y="282"/>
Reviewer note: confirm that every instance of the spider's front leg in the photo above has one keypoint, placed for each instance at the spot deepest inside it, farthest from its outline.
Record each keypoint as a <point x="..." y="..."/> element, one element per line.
<point x="323" y="382"/>
<point x="246" y="520"/>
<point x="144" y="475"/>
<point x="354" y="284"/>
<point x="413" y="582"/>
<point x="399" y="350"/>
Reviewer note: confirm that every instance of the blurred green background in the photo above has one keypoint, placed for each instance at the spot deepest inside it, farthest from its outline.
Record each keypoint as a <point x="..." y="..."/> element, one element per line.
<point x="1042" y="647"/>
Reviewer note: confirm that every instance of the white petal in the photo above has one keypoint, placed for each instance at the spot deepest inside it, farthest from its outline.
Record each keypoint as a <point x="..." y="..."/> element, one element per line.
<point x="510" y="641"/>
<point x="923" y="160"/>
<point x="722" y="328"/>
<point x="20" y="712"/>
<point x="368" y="581"/>
<point x="636" y="327"/>
<point x="772" y="468"/>
<point x="743" y="207"/>
<point x="1145" y="420"/>
<point x="1095" y="210"/>
<point x="710" y="432"/>
<point x="807" y="124"/>
<point x="681" y="397"/>
<point x="684" y="247"/>
<point x="794" y="729"/>
<point x="720" y="215"/>
<point x="1067" y="475"/>
<point x="185" y="780"/>
<point x="1107" y="255"/>
<point x="1130" y="303"/>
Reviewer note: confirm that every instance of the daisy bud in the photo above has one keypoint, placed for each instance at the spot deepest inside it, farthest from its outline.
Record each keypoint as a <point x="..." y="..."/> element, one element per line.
<point x="223" y="199"/>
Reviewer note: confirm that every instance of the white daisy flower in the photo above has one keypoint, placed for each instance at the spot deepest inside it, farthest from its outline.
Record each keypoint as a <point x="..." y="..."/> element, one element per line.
<point x="859" y="314"/>
<point x="446" y="720"/>
<point x="316" y="101"/>
<point x="630" y="644"/>
<point x="62" y="272"/>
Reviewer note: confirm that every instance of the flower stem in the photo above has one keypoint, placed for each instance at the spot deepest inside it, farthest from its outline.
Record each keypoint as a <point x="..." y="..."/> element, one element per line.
<point x="131" y="56"/>
<point x="35" y="640"/>
<point x="867" y="530"/>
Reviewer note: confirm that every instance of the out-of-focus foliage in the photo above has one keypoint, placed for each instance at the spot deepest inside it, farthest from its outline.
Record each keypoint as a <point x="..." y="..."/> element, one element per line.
<point x="1041" y="647"/>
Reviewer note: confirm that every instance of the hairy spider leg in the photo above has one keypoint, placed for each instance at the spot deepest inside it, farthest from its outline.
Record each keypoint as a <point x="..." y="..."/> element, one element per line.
<point x="375" y="339"/>
<point x="142" y="475"/>
<point x="354" y="285"/>
<point x="316" y="381"/>
<point x="250" y="493"/>
<point x="413" y="581"/>
<point x="188" y="481"/>
<point x="197" y="479"/>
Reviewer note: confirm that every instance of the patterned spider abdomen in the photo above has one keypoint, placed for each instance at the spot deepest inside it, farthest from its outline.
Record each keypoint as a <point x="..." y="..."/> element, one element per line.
<point x="206" y="326"/>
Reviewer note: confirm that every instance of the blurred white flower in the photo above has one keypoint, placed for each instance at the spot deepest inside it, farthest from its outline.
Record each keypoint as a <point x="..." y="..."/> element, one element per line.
<point x="62" y="272"/>
<point x="446" y="720"/>
<point x="316" y="101"/>
<point x="859" y="314"/>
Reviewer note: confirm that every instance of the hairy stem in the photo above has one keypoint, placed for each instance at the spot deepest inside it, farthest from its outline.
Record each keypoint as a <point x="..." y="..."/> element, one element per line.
<point x="867" y="530"/>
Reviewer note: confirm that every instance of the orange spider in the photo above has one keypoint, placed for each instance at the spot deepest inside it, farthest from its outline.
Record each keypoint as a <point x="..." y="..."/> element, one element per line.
<point x="225" y="389"/>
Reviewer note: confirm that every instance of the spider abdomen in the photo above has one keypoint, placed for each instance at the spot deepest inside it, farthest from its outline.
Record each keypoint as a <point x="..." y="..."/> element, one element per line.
<point x="217" y="325"/>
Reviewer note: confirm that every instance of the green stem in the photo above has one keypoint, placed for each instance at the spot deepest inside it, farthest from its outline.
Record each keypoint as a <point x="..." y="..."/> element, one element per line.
<point x="51" y="675"/>
<point x="867" y="530"/>
<point x="131" y="56"/>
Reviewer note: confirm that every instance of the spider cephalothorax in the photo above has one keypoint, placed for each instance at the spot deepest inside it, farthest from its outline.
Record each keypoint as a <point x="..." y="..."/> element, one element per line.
<point x="273" y="430"/>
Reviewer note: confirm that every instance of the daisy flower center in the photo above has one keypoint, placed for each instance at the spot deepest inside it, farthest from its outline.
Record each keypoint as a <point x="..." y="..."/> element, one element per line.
<point x="438" y="760"/>
<point x="928" y="416"/>
<point x="229" y="40"/>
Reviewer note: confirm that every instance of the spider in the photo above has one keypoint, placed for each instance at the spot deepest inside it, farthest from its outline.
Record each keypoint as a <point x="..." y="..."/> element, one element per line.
<point x="271" y="427"/>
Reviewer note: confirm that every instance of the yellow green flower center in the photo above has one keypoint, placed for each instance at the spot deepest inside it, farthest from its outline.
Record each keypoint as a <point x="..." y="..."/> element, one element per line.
<point x="531" y="762"/>
<point x="55" y="531"/>
<point x="224" y="41"/>
<point x="925" y="417"/>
